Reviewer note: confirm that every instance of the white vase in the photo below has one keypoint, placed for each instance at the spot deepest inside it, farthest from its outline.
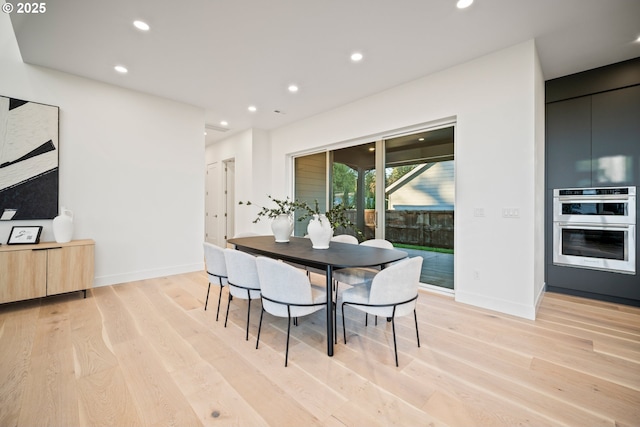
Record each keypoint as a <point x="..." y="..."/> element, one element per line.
<point x="63" y="226"/>
<point x="320" y="231"/>
<point x="282" y="227"/>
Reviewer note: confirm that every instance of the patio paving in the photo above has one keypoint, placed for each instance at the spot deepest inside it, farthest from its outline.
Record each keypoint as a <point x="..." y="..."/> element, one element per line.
<point x="437" y="268"/>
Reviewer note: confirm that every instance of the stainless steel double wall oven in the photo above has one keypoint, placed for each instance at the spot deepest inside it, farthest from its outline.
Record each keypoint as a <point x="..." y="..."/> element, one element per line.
<point x="595" y="228"/>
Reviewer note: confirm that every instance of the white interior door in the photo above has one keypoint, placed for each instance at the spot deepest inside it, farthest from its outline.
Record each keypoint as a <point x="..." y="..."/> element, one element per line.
<point x="212" y="205"/>
<point x="230" y="198"/>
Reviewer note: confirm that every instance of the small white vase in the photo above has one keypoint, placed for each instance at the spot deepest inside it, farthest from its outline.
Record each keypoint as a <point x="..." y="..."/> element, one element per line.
<point x="320" y="231"/>
<point x="63" y="226"/>
<point x="282" y="227"/>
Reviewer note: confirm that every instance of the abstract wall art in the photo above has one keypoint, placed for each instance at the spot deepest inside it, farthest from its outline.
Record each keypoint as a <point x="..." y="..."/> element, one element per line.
<point x="28" y="160"/>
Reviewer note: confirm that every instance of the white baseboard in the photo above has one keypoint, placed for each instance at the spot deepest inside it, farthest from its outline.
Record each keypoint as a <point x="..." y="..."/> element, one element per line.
<point x="115" y="279"/>
<point x="497" y="304"/>
<point x="437" y="289"/>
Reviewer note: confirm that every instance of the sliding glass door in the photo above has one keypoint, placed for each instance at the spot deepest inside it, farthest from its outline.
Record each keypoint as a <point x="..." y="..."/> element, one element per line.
<point x="353" y="183"/>
<point x="414" y="208"/>
<point x="419" y="200"/>
<point x="310" y="185"/>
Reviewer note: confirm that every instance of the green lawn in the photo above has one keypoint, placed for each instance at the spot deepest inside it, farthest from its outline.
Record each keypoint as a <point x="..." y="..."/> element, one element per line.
<point x="423" y="248"/>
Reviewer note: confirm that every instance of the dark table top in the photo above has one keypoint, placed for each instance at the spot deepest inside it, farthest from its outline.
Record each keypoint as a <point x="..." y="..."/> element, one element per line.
<point x="299" y="250"/>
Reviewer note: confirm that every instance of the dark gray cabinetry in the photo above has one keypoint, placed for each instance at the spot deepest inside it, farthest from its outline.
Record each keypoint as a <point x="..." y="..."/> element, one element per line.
<point x="615" y="137"/>
<point x="593" y="140"/>
<point x="569" y="143"/>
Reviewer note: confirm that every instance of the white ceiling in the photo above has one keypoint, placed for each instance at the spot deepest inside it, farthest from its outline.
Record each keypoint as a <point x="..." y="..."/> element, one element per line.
<point x="224" y="55"/>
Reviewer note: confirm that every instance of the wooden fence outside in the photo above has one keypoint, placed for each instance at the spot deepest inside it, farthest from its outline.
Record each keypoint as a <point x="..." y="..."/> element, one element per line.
<point x="413" y="227"/>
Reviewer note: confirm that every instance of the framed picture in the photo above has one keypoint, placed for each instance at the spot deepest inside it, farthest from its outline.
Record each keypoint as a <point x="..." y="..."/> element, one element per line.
<point x="25" y="235"/>
<point x="28" y="160"/>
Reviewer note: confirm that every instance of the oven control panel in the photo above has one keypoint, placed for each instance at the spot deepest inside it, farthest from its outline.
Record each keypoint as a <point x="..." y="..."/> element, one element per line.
<point x="607" y="191"/>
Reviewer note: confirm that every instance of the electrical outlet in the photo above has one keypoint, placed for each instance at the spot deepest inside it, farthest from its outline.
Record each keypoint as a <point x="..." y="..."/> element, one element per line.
<point x="476" y="275"/>
<point x="478" y="212"/>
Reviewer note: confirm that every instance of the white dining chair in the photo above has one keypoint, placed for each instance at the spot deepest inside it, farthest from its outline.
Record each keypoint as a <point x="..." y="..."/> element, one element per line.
<point x="286" y="292"/>
<point x="345" y="238"/>
<point x="392" y="292"/>
<point x="360" y="275"/>
<point x="342" y="238"/>
<point x="216" y="268"/>
<point x="242" y="277"/>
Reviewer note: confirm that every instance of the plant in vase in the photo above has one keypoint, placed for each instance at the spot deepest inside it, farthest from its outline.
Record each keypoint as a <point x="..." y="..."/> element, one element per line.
<point x="281" y="215"/>
<point x="338" y="218"/>
<point x="322" y="225"/>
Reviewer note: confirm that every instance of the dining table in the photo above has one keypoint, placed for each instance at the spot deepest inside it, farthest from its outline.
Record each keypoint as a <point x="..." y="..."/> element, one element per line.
<point x="300" y="251"/>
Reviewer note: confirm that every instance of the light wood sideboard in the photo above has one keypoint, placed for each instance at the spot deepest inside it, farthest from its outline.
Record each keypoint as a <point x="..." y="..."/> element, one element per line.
<point x="48" y="268"/>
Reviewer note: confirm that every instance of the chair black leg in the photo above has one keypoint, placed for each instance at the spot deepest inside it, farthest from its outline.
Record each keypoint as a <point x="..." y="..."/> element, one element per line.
<point x="227" y="316"/>
<point x="335" y="313"/>
<point x="219" y="299"/>
<point x="415" y="316"/>
<point x="366" y="319"/>
<point x="207" y="300"/>
<point x="344" y="329"/>
<point x="248" y="314"/>
<point x="286" y="353"/>
<point x="259" y="327"/>
<point x="395" y="347"/>
<point x="334" y="307"/>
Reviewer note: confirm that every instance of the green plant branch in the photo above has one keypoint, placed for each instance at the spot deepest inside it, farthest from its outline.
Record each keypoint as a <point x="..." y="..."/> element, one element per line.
<point x="283" y="207"/>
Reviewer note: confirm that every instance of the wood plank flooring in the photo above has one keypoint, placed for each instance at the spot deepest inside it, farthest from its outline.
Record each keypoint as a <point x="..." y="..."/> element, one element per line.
<point x="146" y="353"/>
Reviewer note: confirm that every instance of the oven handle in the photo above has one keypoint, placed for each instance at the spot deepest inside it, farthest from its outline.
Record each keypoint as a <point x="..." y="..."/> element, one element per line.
<point x="595" y="226"/>
<point x="591" y="199"/>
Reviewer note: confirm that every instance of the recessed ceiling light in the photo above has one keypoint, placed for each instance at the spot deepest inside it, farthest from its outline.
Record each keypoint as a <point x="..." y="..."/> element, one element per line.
<point x="293" y="88"/>
<point x="121" y="69"/>
<point x="252" y="108"/>
<point x="224" y="123"/>
<point x="420" y="139"/>
<point x="141" y="25"/>
<point x="638" y="39"/>
<point x="356" y="56"/>
<point x="462" y="4"/>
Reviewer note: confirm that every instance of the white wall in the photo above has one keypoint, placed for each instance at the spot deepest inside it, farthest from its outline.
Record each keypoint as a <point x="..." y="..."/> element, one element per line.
<point x="497" y="103"/>
<point x="251" y="151"/>
<point x="131" y="169"/>
<point x="539" y="184"/>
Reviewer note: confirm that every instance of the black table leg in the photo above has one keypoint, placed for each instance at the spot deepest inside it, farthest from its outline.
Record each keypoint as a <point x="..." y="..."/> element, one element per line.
<point x="329" y="311"/>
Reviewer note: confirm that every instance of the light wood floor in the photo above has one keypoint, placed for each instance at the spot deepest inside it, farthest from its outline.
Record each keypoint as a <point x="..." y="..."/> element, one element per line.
<point x="146" y="353"/>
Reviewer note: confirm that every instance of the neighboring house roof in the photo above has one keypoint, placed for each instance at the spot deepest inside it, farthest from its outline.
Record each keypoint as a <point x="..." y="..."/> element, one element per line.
<point x="427" y="187"/>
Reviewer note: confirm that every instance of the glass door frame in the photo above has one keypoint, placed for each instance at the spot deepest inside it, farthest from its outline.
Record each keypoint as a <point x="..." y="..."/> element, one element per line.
<point x="380" y="159"/>
<point x="381" y="155"/>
